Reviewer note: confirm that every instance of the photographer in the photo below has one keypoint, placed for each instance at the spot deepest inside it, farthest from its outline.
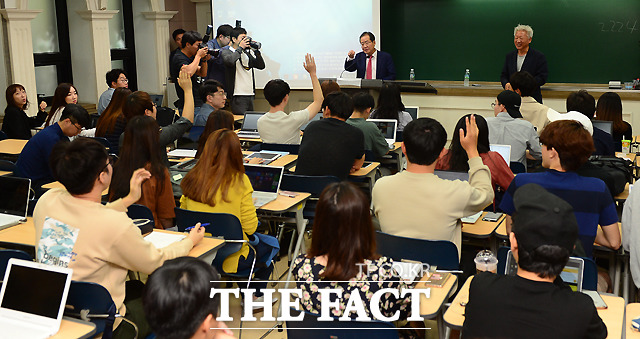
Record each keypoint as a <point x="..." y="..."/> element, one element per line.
<point x="195" y="59"/>
<point x="216" y="66"/>
<point x="240" y="59"/>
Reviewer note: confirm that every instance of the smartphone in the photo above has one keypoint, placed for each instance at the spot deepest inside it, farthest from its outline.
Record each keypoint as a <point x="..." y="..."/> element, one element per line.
<point x="492" y="216"/>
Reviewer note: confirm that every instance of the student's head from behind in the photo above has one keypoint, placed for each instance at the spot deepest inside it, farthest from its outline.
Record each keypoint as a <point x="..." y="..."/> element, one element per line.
<point x="337" y="105"/>
<point x="219" y="119"/>
<point x="544" y="231"/>
<point x="610" y="108"/>
<point x="276" y="91"/>
<point x="138" y="103"/>
<point x="567" y="141"/>
<point x="424" y="140"/>
<point x="583" y="102"/>
<point x="523" y="82"/>
<point x="328" y="87"/>
<point x="78" y="164"/>
<point x="176" y="299"/>
<point x="510" y="102"/>
<point x="74" y="119"/>
<point x="343" y="209"/>
<point x="117" y="78"/>
<point x="16" y="96"/>
<point x="107" y="121"/>
<point x="212" y="92"/>
<point x="363" y="102"/>
<point x="457" y="155"/>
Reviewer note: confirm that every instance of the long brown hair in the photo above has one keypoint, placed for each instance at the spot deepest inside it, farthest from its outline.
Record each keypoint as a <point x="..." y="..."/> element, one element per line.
<point x="219" y="167"/>
<point x="343" y="209"/>
<point x="107" y="121"/>
<point x="59" y="99"/>
<point x="136" y="104"/>
<point x="140" y="148"/>
<point x="11" y="90"/>
<point x="217" y="120"/>
<point x="609" y="108"/>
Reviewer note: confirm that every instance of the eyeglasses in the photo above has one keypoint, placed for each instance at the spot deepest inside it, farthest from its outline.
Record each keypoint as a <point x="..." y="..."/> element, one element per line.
<point x="224" y="94"/>
<point x="80" y="128"/>
<point x="493" y="104"/>
<point x="366" y="43"/>
<point x="124" y="80"/>
<point x="110" y="161"/>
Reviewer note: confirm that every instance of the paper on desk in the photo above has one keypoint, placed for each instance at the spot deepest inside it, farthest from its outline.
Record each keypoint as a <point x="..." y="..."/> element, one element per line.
<point x="182" y="153"/>
<point x="161" y="239"/>
<point x="472" y="218"/>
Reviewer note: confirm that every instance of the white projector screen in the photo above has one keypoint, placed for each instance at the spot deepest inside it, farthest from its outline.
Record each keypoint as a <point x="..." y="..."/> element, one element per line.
<point x="288" y="29"/>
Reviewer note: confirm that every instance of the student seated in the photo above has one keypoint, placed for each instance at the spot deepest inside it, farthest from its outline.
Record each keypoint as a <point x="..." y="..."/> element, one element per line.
<point x="610" y="109"/>
<point x="344" y="210"/>
<point x="16" y="124"/>
<point x="373" y="139"/>
<point x="64" y="94"/>
<point x="112" y="121"/>
<point x="116" y="78"/>
<point x="217" y="184"/>
<point x="101" y="244"/>
<point x="455" y="159"/>
<point x="177" y="304"/>
<point x="507" y="128"/>
<point x="565" y="147"/>
<point x="331" y="146"/>
<point x="219" y="119"/>
<point x="278" y="127"/>
<point x="415" y="203"/>
<point x="33" y="162"/>
<point x="213" y="98"/>
<point x="534" y="112"/>
<point x="390" y="106"/>
<point x="142" y="150"/>
<point x="534" y="303"/>
<point x="583" y="102"/>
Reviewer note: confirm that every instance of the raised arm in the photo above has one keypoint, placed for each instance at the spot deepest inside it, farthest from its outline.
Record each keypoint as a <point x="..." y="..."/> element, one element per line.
<point x="310" y="66"/>
<point x="184" y="80"/>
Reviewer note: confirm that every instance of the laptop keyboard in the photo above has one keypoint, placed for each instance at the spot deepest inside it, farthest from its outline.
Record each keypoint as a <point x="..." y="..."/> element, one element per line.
<point x="248" y="134"/>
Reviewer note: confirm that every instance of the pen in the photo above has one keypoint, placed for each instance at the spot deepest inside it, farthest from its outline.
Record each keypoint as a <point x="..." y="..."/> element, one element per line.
<point x="201" y="225"/>
<point x="287" y="195"/>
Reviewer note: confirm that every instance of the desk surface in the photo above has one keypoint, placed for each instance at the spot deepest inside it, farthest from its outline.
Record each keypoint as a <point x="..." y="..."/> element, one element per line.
<point x="12" y="146"/>
<point x="362" y="172"/>
<point x="282" y="203"/>
<point x="74" y="328"/>
<point x="283" y="161"/>
<point x="3" y="173"/>
<point x="202" y="248"/>
<point x="481" y="228"/>
<point x="612" y="316"/>
<point x="429" y="307"/>
<point x="633" y="311"/>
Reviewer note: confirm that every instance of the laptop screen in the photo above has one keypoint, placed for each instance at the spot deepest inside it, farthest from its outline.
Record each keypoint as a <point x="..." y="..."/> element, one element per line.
<point x="15" y="195"/>
<point x="387" y="127"/>
<point x="504" y="150"/>
<point x="264" y="178"/>
<point x="250" y="122"/>
<point x="452" y="175"/>
<point x="34" y="290"/>
<point x="606" y="126"/>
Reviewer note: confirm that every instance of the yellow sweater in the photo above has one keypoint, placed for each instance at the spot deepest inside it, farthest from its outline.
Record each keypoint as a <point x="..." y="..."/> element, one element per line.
<point x="241" y="205"/>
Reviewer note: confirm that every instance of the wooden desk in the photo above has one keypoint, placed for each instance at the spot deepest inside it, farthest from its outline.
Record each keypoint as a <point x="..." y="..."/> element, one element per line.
<point x="628" y="156"/>
<point x="431" y="307"/>
<point x="612" y="316"/>
<point x="57" y="184"/>
<point x="482" y="228"/>
<point x="74" y="328"/>
<point x="623" y="195"/>
<point x="633" y="311"/>
<point x="12" y="146"/>
<point x="237" y="117"/>
<point x="206" y="249"/>
<point x="283" y="161"/>
<point x="3" y="173"/>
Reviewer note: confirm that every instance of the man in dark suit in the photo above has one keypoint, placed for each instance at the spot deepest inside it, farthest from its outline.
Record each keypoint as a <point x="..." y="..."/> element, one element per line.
<point x="370" y="63"/>
<point x="525" y="58"/>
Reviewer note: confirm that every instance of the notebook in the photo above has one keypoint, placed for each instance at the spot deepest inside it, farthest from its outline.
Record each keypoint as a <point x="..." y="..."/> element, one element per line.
<point x="606" y="126"/>
<point x="388" y="127"/>
<point x="504" y="150"/>
<point x="571" y="273"/>
<point x="14" y="200"/>
<point x="249" y="127"/>
<point x="265" y="181"/>
<point x="32" y="299"/>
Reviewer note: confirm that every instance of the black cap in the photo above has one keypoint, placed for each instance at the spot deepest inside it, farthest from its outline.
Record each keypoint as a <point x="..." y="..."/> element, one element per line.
<point x="542" y="218"/>
<point x="511" y="101"/>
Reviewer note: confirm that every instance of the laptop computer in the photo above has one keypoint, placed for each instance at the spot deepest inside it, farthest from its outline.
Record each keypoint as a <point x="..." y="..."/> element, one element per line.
<point x="606" y="126"/>
<point x="388" y="127"/>
<point x="504" y="150"/>
<point x="452" y="175"/>
<point x="249" y="127"/>
<point x="32" y="299"/>
<point x="265" y="181"/>
<point x="315" y="118"/>
<point x="14" y="200"/>
<point x="185" y="166"/>
<point x="571" y="274"/>
<point x="413" y="111"/>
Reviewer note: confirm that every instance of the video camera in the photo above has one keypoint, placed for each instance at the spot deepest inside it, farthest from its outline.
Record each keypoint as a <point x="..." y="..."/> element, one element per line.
<point x="214" y="52"/>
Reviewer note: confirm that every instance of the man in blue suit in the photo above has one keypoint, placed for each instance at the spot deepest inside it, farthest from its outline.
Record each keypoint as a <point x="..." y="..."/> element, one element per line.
<point x="525" y="58"/>
<point x="370" y="63"/>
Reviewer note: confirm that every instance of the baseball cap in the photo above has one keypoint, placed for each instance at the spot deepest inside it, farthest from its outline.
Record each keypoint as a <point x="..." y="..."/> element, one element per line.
<point x="542" y="218"/>
<point x="571" y="115"/>
<point x="511" y="101"/>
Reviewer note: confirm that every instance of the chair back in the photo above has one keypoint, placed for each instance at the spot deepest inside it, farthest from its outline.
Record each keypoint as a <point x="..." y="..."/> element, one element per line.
<point x="369" y="155"/>
<point x="517" y="167"/>
<point x="292" y="149"/>
<point x="503" y="251"/>
<point x="7" y="254"/>
<point x="589" y="275"/>
<point x="6" y="165"/>
<point x="106" y="143"/>
<point x="137" y="211"/>
<point x="399" y="136"/>
<point x="441" y="253"/>
<point x="91" y="302"/>
<point x="222" y="225"/>
<point x="165" y="116"/>
<point x="311" y="328"/>
<point x="308" y="184"/>
<point x="195" y="132"/>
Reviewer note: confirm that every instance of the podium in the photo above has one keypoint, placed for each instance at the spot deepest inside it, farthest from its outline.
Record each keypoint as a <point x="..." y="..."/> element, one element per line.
<point x="349" y="84"/>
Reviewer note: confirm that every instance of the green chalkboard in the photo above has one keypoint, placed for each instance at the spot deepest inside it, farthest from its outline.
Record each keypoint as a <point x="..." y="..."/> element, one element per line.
<point x="585" y="41"/>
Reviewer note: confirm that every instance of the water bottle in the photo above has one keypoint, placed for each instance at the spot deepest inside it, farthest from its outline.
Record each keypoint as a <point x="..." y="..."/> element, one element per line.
<point x="466" y="78"/>
<point x="412" y="75"/>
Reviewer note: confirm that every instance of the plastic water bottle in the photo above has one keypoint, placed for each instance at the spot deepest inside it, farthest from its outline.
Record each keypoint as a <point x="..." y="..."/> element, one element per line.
<point x="412" y="75"/>
<point x="466" y="78"/>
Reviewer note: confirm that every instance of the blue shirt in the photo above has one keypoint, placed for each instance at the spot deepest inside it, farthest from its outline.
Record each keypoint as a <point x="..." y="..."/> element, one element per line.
<point x="203" y="115"/>
<point x="215" y="68"/>
<point x="590" y="198"/>
<point x="33" y="162"/>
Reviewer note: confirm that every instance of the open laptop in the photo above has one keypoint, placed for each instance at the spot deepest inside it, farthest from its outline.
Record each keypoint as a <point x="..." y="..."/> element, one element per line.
<point x="388" y="127"/>
<point x="14" y="200"/>
<point x="504" y="150"/>
<point x="606" y="126"/>
<point x="571" y="274"/>
<point x="249" y="127"/>
<point x="32" y="299"/>
<point x="452" y="175"/>
<point x="413" y="111"/>
<point x="265" y="181"/>
<point x="315" y="118"/>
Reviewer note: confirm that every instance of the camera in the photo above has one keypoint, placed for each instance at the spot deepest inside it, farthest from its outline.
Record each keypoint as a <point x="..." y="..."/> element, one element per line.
<point x="207" y="35"/>
<point x="252" y="44"/>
